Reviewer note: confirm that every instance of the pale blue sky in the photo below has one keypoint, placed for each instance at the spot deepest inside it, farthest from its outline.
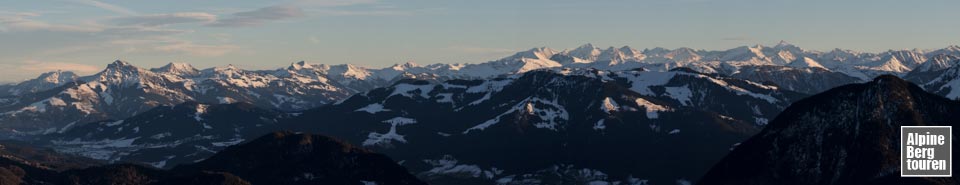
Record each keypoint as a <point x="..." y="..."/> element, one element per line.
<point x="85" y="35"/>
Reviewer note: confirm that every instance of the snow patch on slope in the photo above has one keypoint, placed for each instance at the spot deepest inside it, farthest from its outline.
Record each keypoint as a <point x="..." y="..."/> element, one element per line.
<point x="372" y="108"/>
<point x="651" y="108"/>
<point x="551" y="114"/>
<point x="386" y="139"/>
<point x="609" y="106"/>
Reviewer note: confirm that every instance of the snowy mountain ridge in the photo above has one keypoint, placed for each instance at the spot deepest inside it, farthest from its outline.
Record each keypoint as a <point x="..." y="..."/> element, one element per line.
<point x="122" y="89"/>
<point x="856" y="63"/>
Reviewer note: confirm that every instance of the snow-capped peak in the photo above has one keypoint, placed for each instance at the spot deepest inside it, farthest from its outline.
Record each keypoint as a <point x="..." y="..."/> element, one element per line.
<point x="631" y="53"/>
<point x="228" y="68"/>
<point x="891" y="64"/>
<point x="937" y="62"/>
<point x="944" y="58"/>
<point x="610" y="53"/>
<point x="949" y="50"/>
<point x="783" y="43"/>
<point x="542" y="53"/>
<point x="909" y="58"/>
<point x="744" y="53"/>
<point x="404" y="66"/>
<point x="785" y="46"/>
<point x="841" y="56"/>
<point x="656" y="52"/>
<point x="119" y="64"/>
<point x="587" y="46"/>
<point x="58" y="77"/>
<point x="120" y="73"/>
<point x="228" y="71"/>
<point x="177" y="68"/>
<point x="953" y="48"/>
<point x="536" y="58"/>
<point x="619" y="56"/>
<point x="805" y="62"/>
<point x="350" y="71"/>
<point x="586" y="52"/>
<point x="683" y="55"/>
<point x="300" y="65"/>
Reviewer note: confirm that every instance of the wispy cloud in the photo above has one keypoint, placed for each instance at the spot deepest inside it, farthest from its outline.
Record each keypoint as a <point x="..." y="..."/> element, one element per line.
<point x="137" y="31"/>
<point x="222" y="37"/>
<point x="130" y="34"/>
<point x="357" y="8"/>
<point x="260" y="16"/>
<point x="23" y="22"/>
<point x="106" y="6"/>
<point x="362" y="12"/>
<point x="29" y="68"/>
<point x="332" y="3"/>
<point x="300" y="8"/>
<point x="171" y="45"/>
<point x="190" y="48"/>
<point x="36" y="66"/>
<point x="18" y="70"/>
<point x="165" y="19"/>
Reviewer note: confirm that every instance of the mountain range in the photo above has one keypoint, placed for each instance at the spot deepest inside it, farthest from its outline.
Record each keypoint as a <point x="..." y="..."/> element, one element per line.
<point x="614" y="115"/>
<point x="122" y="90"/>
<point x="531" y="127"/>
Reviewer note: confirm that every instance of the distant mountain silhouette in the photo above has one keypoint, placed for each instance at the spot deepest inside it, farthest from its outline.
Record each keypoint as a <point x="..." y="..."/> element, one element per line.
<point x="296" y="158"/>
<point x="277" y="158"/>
